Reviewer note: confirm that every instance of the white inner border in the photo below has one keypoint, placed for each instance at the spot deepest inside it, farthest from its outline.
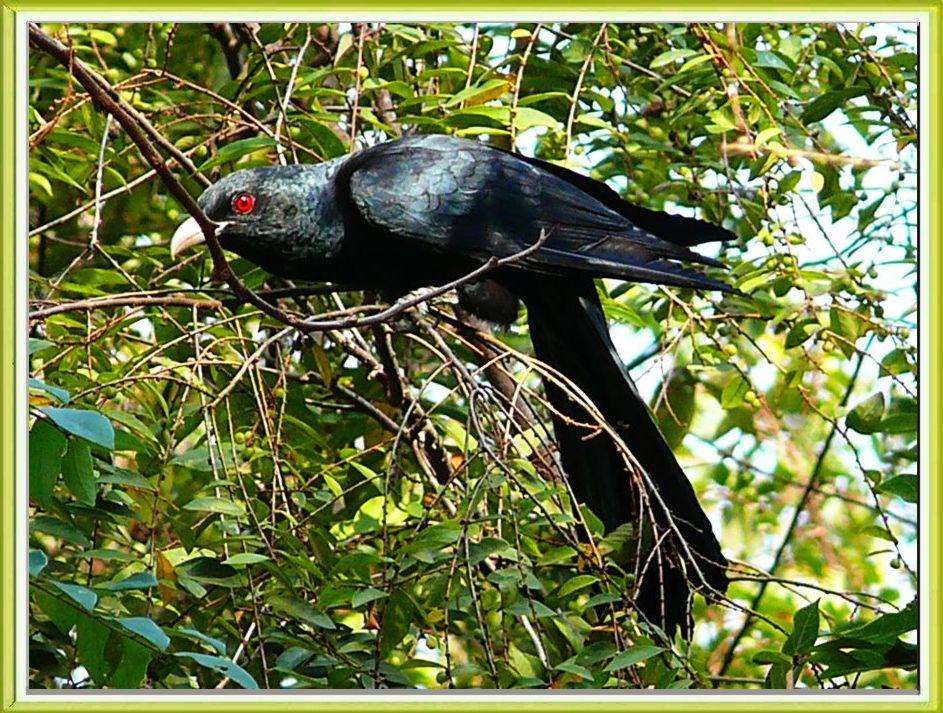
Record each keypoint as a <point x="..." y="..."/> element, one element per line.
<point x="562" y="698"/>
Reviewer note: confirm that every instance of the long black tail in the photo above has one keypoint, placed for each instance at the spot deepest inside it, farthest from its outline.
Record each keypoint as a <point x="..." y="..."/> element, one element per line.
<point x="569" y="333"/>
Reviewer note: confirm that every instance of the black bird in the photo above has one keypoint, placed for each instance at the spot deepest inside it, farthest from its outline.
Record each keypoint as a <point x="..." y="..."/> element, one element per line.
<point x="422" y="211"/>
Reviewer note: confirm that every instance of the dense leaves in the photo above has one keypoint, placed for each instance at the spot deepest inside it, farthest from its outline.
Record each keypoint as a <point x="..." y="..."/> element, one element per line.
<point x="217" y="501"/>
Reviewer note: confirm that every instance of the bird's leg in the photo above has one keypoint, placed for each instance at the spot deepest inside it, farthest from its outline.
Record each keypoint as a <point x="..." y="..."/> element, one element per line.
<point x="490" y="300"/>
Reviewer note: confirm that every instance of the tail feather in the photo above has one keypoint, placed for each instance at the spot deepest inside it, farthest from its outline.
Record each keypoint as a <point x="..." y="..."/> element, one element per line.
<point x="676" y="229"/>
<point x="569" y="333"/>
<point x="659" y="272"/>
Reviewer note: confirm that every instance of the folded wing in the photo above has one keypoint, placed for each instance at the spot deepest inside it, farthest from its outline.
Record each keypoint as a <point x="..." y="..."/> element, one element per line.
<point x="458" y="195"/>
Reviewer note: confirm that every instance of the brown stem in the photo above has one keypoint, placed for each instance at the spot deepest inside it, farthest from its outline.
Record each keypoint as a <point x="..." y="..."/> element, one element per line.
<point x="133" y="301"/>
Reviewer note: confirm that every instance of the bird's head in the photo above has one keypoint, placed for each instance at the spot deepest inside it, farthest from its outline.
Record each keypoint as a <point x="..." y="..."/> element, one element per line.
<point x="274" y="216"/>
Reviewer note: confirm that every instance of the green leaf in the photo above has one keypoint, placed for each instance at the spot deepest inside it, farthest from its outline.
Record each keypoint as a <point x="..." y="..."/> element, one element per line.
<point x="820" y="107"/>
<point x="491" y="89"/>
<point x="211" y="641"/>
<point x="595" y="652"/>
<point x="670" y="56"/>
<point x="77" y="471"/>
<point x="227" y="667"/>
<point x="765" y="657"/>
<point x="210" y="571"/>
<point x="604" y="598"/>
<point x="675" y="406"/>
<point x="847" y="325"/>
<point x="89" y="425"/>
<point x="102" y="37"/>
<point x="91" y="642"/>
<point x="522" y="607"/>
<point x="292" y="657"/>
<point x="60" y="395"/>
<point x="904" y="60"/>
<point x="58" y="528"/>
<point x="593" y="522"/>
<point x="83" y="596"/>
<point x="574" y="584"/>
<point x="805" y="630"/>
<point x="236" y="150"/>
<point x="40" y="181"/>
<point x="734" y="392"/>
<point x="479" y="551"/>
<point x="141" y="580"/>
<point x="38" y="345"/>
<point x="324" y="138"/>
<point x="866" y="416"/>
<point x="363" y="596"/>
<point x="755" y="282"/>
<point x="106" y="554"/>
<point x="557" y="555"/>
<point x="575" y="669"/>
<point x="401" y="613"/>
<point x="632" y="656"/>
<point x="887" y="626"/>
<point x="693" y="63"/>
<point x="879" y="532"/>
<point x="147" y="629"/>
<point x="37" y="562"/>
<point x="801" y="332"/>
<point x="212" y="504"/>
<point x="903" y="486"/>
<point x="245" y="558"/>
<point x="901" y="416"/>
<point x="132" y="668"/>
<point x="301" y="610"/>
<point x="896" y="362"/>
<point x="60" y="609"/>
<point x="122" y="476"/>
<point x="542" y="97"/>
<point x="770" y="60"/>
<point x="527" y="118"/>
<point x="853" y="659"/>
<point x="435" y="537"/>
<point x="47" y="446"/>
<point x="789" y="182"/>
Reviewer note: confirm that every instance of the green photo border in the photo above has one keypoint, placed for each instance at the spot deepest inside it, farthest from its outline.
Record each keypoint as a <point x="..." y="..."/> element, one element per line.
<point x="12" y="314"/>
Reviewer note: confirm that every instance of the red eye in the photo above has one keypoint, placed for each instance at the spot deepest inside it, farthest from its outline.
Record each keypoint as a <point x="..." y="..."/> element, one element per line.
<point x="243" y="203"/>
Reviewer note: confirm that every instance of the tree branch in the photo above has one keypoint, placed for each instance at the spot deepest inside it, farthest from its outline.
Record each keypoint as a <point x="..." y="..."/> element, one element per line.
<point x="131" y="301"/>
<point x="750" y="149"/>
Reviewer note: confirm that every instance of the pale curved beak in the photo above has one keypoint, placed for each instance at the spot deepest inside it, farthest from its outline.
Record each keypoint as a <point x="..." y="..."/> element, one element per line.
<point x="188" y="234"/>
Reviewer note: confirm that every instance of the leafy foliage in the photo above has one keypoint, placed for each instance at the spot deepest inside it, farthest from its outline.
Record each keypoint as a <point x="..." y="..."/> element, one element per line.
<point x="217" y="501"/>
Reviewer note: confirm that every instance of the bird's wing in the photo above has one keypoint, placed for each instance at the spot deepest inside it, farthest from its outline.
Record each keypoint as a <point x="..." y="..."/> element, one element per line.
<point x="677" y="229"/>
<point x="467" y="197"/>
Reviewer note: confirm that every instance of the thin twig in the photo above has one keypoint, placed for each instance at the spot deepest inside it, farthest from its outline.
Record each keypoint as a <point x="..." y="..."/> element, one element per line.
<point x="739" y="148"/>
<point x="790" y="529"/>
<point x="131" y="301"/>
<point x="286" y="98"/>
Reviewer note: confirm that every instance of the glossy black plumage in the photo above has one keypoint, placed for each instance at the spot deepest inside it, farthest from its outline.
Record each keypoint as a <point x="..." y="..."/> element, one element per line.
<point x="425" y="210"/>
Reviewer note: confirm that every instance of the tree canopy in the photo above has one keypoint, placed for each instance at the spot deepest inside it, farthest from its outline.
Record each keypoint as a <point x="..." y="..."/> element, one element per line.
<point x="218" y="500"/>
